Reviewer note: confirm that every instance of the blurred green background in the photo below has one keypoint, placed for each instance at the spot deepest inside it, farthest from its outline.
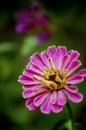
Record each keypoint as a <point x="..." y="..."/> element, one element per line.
<point x="69" y="19"/>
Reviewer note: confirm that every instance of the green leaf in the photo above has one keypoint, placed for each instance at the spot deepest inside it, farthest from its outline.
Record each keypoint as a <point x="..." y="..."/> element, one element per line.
<point x="28" y="45"/>
<point x="5" y="68"/>
<point x="7" y="47"/>
<point x="68" y="125"/>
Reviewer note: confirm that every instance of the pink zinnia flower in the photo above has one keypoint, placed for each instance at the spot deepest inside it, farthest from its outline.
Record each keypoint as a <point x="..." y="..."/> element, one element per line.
<point x="49" y="79"/>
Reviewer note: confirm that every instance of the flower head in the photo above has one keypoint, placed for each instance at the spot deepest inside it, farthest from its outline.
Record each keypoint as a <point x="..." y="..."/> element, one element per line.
<point x="49" y="80"/>
<point x="35" y="19"/>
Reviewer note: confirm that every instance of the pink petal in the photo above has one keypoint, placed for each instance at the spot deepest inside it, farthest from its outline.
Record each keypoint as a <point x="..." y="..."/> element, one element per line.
<point x="75" y="79"/>
<point x="27" y="81"/>
<point x="30" y="105"/>
<point x="32" y="87"/>
<point x="24" y="80"/>
<point x="32" y="93"/>
<point x="74" y="65"/>
<point x="34" y="69"/>
<point x="56" y="108"/>
<point x="28" y="93"/>
<point x="52" y="53"/>
<point x="61" y="51"/>
<point x="81" y="73"/>
<point x="53" y="97"/>
<point x="30" y="73"/>
<point x="74" y="97"/>
<point x="46" y="106"/>
<point x="40" y="99"/>
<point x="61" y="99"/>
<point x="45" y="59"/>
<point x="64" y="61"/>
<point x="37" y="61"/>
<point x="73" y="55"/>
<point x="71" y="89"/>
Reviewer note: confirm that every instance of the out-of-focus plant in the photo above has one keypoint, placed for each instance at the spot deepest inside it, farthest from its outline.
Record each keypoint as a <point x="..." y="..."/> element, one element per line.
<point x="35" y="19"/>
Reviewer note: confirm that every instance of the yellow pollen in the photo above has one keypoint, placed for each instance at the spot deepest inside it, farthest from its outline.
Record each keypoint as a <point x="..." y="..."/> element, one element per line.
<point x="52" y="79"/>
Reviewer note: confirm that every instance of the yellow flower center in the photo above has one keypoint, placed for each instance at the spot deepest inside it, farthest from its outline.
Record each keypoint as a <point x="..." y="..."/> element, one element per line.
<point x="54" y="79"/>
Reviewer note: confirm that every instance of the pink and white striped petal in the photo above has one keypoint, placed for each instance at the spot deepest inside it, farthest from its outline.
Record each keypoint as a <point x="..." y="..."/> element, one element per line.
<point x="45" y="59"/>
<point x="34" y="68"/>
<point x="27" y="81"/>
<point x="73" y="55"/>
<point x="56" y="108"/>
<point x="82" y="73"/>
<point x="29" y="73"/>
<point x="24" y="80"/>
<point x="33" y="87"/>
<point x="52" y="53"/>
<point x="46" y="106"/>
<point x="61" y="51"/>
<point x="38" y="100"/>
<point x="30" y="105"/>
<point x="37" y="61"/>
<point x="74" y="79"/>
<point x="74" y="97"/>
<point x="53" y="97"/>
<point x="72" y="89"/>
<point x="73" y="66"/>
<point x="61" y="99"/>
<point x="32" y="93"/>
<point x="64" y="61"/>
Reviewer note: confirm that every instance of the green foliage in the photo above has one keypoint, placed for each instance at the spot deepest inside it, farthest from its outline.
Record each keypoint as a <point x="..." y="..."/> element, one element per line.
<point x="28" y="45"/>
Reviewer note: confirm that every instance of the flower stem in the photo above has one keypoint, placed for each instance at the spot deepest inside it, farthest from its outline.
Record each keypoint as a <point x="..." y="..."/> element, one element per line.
<point x="71" y="116"/>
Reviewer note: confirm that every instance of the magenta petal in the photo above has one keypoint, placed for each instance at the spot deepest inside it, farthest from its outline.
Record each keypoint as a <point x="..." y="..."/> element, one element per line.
<point x="30" y="73"/>
<point x="38" y="100"/>
<point x="53" y="97"/>
<point x="61" y="99"/>
<point x="46" y="106"/>
<point x="81" y="72"/>
<point x="27" y="81"/>
<point x="56" y="108"/>
<point x="28" y="93"/>
<point x="74" y="79"/>
<point x="32" y="87"/>
<point x="74" y="97"/>
<point x="34" y="68"/>
<point x="45" y="59"/>
<point x="24" y="80"/>
<point x="71" y="89"/>
<point x="61" y="51"/>
<point x="30" y="105"/>
<point x="32" y="93"/>
<point x="73" y="55"/>
<point x="73" y="67"/>
<point x="52" y="53"/>
<point x="37" y="61"/>
<point x="64" y="61"/>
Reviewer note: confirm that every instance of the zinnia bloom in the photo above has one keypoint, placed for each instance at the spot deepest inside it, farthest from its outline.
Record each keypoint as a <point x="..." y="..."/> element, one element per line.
<point x="49" y="79"/>
<point x="35" y="19"/>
